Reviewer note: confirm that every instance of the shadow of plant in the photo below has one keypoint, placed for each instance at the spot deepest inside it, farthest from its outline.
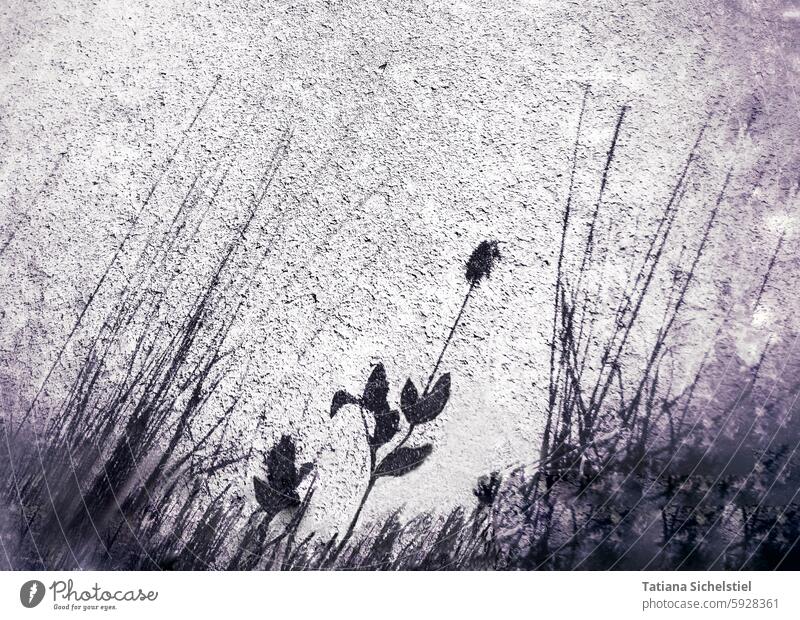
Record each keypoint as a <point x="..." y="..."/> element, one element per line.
<point x="382" y="422"/>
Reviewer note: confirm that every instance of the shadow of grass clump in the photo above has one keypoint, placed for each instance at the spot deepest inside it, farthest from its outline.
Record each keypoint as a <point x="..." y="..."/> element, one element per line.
<point x="630" y="475"/>
<point x="105" y="479"/>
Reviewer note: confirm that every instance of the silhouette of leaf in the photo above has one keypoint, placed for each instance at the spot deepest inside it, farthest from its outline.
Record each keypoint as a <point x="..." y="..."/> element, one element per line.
<point x="270" y="501"/>
<point x="387" y="423"/>
<point x="408" y="397"/>
<point x="376" y="391"/>
<point x="263" y="495"/>
<point x="403" y="460"/>
<point x="430" y="405"/>
<point x="340" y="399"/>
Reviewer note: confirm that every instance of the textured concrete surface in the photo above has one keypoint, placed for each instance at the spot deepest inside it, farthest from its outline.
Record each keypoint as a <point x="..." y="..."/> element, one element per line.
<point x="418" y="129"/>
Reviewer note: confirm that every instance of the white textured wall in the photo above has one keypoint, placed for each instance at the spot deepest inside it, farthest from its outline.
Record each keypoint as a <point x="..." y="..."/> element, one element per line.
<point x="419" y="129"/>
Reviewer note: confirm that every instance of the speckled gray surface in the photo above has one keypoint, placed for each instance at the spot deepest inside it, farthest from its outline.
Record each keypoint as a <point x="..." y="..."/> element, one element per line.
<point x="417" y="130"/>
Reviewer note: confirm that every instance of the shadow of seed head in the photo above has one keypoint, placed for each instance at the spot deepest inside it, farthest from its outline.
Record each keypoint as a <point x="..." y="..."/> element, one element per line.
<point x="482" y="260"/>
<point x="487" y="488"/>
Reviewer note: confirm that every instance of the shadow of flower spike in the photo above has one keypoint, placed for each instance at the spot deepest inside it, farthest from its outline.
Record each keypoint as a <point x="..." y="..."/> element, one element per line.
<point x="482" y="260"/>
<point x="479" y="266"/>
<point x="279" y="491"/>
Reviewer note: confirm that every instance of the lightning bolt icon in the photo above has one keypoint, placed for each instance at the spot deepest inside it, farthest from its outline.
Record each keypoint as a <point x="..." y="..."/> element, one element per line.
<point x="32" y="592"/>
